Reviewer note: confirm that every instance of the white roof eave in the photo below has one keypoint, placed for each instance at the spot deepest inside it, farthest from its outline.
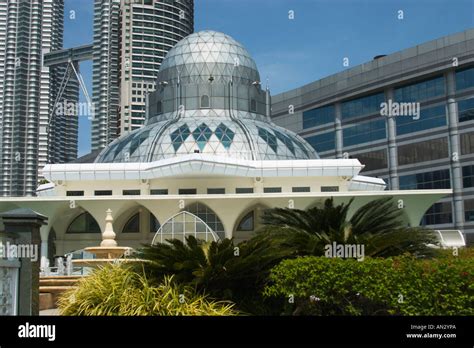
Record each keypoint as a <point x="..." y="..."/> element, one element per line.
<point x="201" y="164"/>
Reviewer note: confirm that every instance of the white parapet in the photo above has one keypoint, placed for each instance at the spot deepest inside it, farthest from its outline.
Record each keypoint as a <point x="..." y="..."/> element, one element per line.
<point x="366" y="183"/>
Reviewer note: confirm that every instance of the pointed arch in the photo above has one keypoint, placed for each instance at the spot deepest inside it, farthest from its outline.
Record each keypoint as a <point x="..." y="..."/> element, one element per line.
<point x="51" y="245"/>
<point x="83" y="223"/>
<point x="184" y="224"/>
<point x="136" y="219"/>
<point x="248" y="222"/>
<point x="207" y="215"/>
<point x="154" y="223"/>
<point x="133" y="224"/>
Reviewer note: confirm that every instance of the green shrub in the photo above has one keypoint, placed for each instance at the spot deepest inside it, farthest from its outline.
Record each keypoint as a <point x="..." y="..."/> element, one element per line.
<point x="118" y="290"/>
<point x="402" y="285"/>
<point x="462" y="253"/>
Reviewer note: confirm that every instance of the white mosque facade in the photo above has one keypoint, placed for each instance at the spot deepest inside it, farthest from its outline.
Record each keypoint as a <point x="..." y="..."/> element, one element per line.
<point x="208" y="162"/>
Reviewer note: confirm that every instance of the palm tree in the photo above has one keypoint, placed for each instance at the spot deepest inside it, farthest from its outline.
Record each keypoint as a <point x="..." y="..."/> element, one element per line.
<point x="221" y="269"/>
<point x="377" y="225"/>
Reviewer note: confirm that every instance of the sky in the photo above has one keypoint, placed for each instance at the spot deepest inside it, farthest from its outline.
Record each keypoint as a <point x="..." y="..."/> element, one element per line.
<point x="295" y="42"/>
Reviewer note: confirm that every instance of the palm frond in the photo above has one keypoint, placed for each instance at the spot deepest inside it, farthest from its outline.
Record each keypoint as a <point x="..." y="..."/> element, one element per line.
<point x="377" y="216"/>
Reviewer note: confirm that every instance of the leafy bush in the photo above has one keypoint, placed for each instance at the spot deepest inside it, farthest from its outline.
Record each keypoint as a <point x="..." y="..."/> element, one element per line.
<point x="401" y="285"/>
<point x="118" y="290"/>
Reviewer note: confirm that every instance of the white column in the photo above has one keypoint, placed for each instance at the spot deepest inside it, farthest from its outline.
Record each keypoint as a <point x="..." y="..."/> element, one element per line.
<point x="394" y="183"/>
<point x="44" y="233"/>
<point x="455" y="150"/>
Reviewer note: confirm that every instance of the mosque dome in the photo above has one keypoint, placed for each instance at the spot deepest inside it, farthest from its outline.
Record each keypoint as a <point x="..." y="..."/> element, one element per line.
<point x="208" y="100"/>
<point x="208" y="53"/>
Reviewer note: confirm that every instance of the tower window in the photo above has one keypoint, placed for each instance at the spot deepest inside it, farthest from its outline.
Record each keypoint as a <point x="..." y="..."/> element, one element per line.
<point x="253" y="105"/>
<point x="205" y="102"/>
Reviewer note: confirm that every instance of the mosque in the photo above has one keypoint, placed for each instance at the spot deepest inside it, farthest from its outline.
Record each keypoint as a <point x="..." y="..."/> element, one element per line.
<point x="208" y="162"/>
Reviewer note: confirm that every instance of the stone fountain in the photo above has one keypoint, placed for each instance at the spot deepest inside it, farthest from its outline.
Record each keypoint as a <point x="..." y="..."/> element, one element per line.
<point x="108" y="251"/>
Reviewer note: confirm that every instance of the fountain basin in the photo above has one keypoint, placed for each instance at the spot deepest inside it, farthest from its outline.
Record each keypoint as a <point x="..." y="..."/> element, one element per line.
<point x="109" y="253"/>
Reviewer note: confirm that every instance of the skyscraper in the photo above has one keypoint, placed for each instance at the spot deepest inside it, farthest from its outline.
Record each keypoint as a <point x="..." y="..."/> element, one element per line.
<point x="28" y="94"/>
<point x="149" y="29"/>
<point x="105" y="90"/>
<point x="58" y="129"/>
<point x="131" y="38"/>
<point x="21" y="65"/>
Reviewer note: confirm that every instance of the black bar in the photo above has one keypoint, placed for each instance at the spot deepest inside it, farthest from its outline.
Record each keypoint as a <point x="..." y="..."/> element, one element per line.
<point x="288" y="331"/>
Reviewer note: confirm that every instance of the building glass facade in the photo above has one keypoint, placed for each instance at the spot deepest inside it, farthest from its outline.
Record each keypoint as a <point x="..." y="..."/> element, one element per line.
<point x="467" y="143"/>
<point x="438" y="214"/>
<point x="323" y="141"/>
<point x="423" y="151"/>
<point x="429" y="118"/>
<point x="360" y="133"/>
<point x="318" y="116"/>
<point x="433" y="151"/>
<point x="438" y="179"/>
<point x="468" y="176"/>
<point x="373" y="160"/>
<point x="465" y="78"/>
<point x="466" y="110"/>
<point x="362" y="106"/>
<point x="421" y="91"/>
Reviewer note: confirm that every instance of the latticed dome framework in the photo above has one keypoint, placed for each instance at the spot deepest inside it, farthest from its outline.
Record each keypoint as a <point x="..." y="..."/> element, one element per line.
<point x="212" y="134"/>
<point x="225" y="126"/>
<point x="208" y="53"/>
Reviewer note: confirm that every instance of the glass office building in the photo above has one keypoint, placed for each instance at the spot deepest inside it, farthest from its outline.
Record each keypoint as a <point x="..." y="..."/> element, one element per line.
<point x="341" y="117"/>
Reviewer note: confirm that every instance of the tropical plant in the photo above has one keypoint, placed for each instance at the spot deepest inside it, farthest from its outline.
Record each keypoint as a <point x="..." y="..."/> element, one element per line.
<point x="402" y="285"/>
<point x="378" y="225"/>
<point x="222" y="269"/>
<point x="119" y="290"/>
